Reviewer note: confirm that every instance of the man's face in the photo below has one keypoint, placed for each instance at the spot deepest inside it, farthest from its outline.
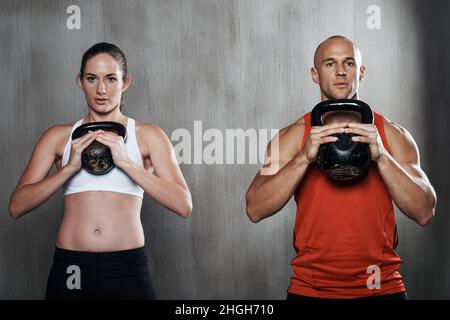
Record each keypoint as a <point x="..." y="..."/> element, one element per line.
<point x="338" y="69"/>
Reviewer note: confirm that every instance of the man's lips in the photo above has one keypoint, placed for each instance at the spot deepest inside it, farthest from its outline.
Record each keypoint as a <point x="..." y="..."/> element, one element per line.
<point x="341" y="84"/>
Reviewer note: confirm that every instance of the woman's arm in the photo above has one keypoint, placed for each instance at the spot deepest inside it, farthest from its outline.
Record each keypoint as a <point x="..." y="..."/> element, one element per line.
<point x="35" y="186"/>
<point x="168" y="186"/>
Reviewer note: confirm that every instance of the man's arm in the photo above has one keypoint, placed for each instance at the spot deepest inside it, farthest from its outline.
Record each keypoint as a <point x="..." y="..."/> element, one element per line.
<point x="400" y="169"/>
<point x="284" y="170"/>
<point x="275" y="184"/>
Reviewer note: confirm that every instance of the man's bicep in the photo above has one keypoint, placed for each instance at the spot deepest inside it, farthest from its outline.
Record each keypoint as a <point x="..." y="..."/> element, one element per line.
<point x="406" y="152"/>
<point x="280" y="151"/>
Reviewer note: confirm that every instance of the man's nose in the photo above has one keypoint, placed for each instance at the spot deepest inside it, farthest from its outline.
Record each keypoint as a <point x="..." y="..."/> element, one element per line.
<point x="340" y="71"/>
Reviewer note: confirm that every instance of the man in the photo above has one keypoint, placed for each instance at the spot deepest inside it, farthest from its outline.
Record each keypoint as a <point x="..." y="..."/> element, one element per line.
<point x="345" y="235"/>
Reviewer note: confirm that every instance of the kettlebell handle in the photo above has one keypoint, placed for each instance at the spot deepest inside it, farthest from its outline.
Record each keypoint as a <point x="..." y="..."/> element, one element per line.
<point x="341" y="105"/>
<point x="102" y="125"/>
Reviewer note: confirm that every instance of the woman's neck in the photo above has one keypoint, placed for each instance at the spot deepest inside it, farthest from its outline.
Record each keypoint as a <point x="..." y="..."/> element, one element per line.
<point x="115" y="116"/>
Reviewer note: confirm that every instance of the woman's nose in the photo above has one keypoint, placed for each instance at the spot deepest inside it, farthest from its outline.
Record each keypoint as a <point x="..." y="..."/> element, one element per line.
<point x="101" y="88"/>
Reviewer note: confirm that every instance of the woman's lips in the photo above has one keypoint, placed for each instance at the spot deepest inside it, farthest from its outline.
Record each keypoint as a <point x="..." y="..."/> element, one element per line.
<point x="101" y="101"/>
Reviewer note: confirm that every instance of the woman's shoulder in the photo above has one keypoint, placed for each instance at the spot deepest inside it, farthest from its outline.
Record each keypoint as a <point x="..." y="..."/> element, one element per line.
<point x="58" y="135"/>
<point x="151" y="136"/>
<point x="148" y="129"/>
<point x="59" y="130"/>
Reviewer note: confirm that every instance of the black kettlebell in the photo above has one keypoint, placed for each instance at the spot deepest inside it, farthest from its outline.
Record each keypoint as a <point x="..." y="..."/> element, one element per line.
<point x="343" y="160"/>
<point x="97" y="158"/>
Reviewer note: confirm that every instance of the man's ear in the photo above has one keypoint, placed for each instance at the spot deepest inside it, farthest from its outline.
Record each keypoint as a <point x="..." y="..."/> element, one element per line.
<point x="127" y="82"/>
<point x="315" y="75"/>
<point x="78" y="81"/>
<point x="362" y="72"/>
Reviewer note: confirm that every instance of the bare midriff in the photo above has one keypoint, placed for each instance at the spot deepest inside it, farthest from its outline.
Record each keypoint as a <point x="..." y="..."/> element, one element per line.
<point x="101" y="221"/>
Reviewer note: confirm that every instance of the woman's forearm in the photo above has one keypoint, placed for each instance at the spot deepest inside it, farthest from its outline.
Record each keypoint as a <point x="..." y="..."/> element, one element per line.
<point x="31" y="196"/>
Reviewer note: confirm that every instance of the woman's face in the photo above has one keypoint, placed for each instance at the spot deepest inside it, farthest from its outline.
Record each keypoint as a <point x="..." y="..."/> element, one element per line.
<point x="103" y="83"/>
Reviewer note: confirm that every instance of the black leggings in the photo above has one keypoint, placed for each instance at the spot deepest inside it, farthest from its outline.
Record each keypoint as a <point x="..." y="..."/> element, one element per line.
<point x="389" y="297"/>
<point x="100" y="275"/>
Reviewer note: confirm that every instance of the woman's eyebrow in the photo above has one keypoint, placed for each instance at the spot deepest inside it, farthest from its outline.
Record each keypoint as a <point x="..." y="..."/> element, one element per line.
<point x="108" y="75"/>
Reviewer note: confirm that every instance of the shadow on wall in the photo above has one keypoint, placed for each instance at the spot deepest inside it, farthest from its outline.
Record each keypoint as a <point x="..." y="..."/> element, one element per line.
<point x="434" y="40"/>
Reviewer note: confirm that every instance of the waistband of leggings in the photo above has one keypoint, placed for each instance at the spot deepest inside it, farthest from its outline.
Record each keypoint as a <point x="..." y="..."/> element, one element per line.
<point x="128" y="255"/>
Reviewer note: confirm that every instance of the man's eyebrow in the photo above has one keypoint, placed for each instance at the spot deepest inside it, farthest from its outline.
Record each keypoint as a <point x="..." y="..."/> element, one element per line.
<point x="328" y="59"/>
<point x="334" y="59"/>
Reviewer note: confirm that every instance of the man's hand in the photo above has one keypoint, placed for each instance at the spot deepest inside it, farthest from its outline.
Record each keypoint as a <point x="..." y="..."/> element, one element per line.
<point x="317" y="137"/>
<point x="368" y="133"/>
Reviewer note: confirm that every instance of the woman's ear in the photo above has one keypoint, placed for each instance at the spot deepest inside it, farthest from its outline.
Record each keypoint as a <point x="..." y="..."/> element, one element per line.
<point x="127" y="82"/>
<point x="78" y="81"/>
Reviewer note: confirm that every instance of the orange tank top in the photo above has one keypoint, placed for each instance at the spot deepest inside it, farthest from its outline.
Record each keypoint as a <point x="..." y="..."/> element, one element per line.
<point x="343" y="233"/>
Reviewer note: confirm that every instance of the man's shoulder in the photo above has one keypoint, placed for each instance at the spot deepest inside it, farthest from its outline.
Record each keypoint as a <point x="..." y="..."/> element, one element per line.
<point x="399" y="139"/>
<point x="291" y="136"/>
<point x="394" y="130"/>
<point x="294" y="129"/>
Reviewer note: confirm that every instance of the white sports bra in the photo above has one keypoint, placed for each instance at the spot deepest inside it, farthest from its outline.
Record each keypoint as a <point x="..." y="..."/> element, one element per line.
<point x="116" y="180"/>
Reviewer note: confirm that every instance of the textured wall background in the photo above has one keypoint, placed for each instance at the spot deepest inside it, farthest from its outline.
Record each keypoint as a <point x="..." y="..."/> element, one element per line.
<point x="231" y="64"/>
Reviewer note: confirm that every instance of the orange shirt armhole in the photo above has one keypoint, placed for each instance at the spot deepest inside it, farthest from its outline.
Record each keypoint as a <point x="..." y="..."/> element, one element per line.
<point x="307" y="118"/>
<point x="379" y="122"/>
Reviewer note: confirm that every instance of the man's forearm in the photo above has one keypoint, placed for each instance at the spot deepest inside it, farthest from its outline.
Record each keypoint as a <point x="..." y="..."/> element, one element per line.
<point x="268" y="195"/>
<point x="413" y="196"/>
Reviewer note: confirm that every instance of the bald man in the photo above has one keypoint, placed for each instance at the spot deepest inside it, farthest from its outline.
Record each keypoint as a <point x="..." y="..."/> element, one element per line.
<point x="345" y="235"/>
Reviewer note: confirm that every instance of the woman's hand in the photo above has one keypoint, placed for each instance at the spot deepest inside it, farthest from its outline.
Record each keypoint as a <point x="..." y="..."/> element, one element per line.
<point x="78" y="145"/>
<point x="116" y="145"/>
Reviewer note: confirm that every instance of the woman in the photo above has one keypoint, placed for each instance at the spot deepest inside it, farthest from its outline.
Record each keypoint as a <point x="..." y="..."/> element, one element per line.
<point x="100" y="251"/>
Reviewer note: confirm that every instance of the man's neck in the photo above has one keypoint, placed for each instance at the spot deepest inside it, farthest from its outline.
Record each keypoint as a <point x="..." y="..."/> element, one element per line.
<point x="325" y="98"/>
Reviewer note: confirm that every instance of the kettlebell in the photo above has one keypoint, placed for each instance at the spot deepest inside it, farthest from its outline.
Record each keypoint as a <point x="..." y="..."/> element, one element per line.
<point x="343" y="160"/>
<point x="97" y="158"/>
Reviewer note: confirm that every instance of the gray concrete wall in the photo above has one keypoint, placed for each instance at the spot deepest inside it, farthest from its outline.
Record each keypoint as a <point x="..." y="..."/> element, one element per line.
<point x="231" y="64"/>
